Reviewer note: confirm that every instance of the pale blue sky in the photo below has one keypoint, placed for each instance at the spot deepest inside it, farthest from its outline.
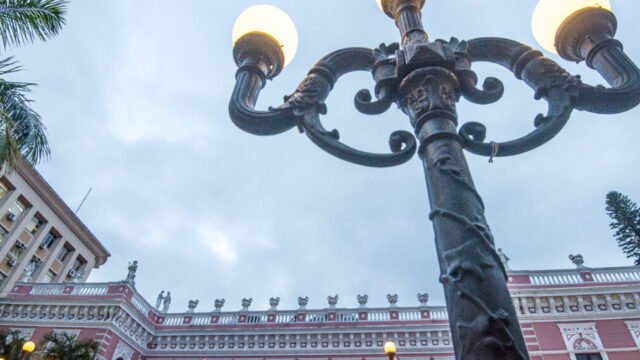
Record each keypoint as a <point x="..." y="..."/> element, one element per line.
<point x="134" y="94"/>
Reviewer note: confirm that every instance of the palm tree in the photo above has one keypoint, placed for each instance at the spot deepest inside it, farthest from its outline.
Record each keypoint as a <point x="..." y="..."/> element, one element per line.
<point x="21" y="130"/>
<point x="24" y="20"/>
<point x="11" y="345"/>
<point x="67" y="347"/>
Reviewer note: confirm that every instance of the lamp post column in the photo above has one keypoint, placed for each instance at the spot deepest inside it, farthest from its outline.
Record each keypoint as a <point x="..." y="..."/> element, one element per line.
<point x="483" y="319"/>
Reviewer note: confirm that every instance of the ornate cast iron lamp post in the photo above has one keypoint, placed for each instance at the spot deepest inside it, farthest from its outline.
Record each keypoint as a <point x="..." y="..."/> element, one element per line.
<point x="426" y="79"/>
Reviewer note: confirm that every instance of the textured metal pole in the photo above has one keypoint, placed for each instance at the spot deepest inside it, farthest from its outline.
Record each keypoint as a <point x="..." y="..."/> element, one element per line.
<point x="483" y="320"/>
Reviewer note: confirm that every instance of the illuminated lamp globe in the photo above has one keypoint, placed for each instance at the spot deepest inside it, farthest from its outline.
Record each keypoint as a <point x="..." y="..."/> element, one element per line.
<point x="29" y="346"/>
<point x="267" y="20"/>
<point x="550" y="14"/>
<point x="389" y="348"/>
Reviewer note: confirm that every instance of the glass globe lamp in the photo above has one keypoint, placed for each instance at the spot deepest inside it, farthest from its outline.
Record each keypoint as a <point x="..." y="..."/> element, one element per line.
<point x="390" y="349"/>
<point x="265" y="33"/>
<point x="29" y="346"/>
<point x="551" y="17"/>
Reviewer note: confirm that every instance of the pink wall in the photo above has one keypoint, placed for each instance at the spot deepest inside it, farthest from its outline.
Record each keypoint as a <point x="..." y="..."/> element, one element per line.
<point x="614" y="334"/>
<point x="549" y="337"/>
<point x="624" y="355"/>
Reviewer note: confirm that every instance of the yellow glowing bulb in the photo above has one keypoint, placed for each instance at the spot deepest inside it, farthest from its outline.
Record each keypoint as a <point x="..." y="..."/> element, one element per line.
<point x="270" y="20"/>
<point x="389" y="347"/>
<point x="29" y="346"/>
<point x="379" y="2"/>
<point x="549" y="15"/>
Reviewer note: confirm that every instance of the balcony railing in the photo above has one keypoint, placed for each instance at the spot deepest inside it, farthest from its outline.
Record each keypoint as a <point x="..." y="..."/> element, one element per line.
<point x="279" y="317"/>
<point x="520" y="281"/>
<point x="361" y="315"/>
<point x="582" y="276"/>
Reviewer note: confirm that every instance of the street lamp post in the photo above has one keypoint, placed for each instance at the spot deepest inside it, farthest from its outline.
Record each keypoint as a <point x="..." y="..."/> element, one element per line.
<point x="426" y="79"/>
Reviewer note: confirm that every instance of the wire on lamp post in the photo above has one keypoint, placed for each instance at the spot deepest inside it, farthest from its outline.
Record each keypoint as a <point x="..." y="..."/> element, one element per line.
<point x="426" y="79"/>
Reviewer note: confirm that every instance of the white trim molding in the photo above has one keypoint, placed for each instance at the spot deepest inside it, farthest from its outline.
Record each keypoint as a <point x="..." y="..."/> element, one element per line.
<point x="580" y="338"/>
<point x="634" y="329"/>
<point x="123" y="351"/>
<point x="24" y="332"/>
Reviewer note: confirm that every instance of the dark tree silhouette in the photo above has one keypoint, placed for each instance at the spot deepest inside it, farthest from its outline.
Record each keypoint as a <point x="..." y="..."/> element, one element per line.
<point x="626" y="222"/>
<point x="68" y="347"/>
<point x="11" y="344"/>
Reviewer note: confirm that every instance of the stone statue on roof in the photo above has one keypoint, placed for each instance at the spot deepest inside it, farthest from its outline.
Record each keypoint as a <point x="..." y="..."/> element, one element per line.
<point x="131" y="275"/>
<point x="577" y="260"/>
<point x="166" y="302"/>
<point x="159" y="299"/>
<point x="192" y="305"/>
<point x="504" y="258"/>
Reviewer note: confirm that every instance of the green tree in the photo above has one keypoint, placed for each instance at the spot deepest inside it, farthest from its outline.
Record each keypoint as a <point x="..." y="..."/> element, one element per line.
<point x="21" y="130"/>
<point x="626" y="222"/>
<point x="11" y="345"/>
<point x="68" y="347"/>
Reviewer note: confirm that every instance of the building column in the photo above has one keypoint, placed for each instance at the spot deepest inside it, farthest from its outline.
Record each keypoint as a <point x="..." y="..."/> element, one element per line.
<point x="53" y="253"/>
<point x="16" y="230"/>
<point x="9" y="199"/>
<point x="88" y="268"/>
<point x="552" y="304"/>
<point x="538" y="305"/>
<point x="29" y="252"/>
<point x="68" y="265"/>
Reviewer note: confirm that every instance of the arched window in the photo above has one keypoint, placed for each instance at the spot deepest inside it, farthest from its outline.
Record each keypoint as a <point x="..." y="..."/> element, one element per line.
<point x="590" y="356"/>
<point x="582" y="344"/>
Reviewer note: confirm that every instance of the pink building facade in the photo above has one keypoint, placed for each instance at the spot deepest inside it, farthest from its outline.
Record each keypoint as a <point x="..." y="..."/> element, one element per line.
<point x="574" y="314"/>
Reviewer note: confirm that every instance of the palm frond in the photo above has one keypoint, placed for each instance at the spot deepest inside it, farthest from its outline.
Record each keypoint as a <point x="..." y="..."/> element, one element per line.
<point x="11" y="344"/>
<point x="22" y="21"/>
<point x="21" y="129"/>
<point x="8" y="66"/>
<point x="67" y="346"/>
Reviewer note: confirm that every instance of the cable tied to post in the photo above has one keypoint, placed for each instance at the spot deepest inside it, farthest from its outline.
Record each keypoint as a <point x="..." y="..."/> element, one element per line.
<point x="494" y="150"/>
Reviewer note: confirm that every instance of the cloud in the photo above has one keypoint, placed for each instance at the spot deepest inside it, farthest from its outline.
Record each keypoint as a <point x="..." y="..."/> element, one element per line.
<point x="171" y="231"/>
<point x="139" y="112"/>
<point x="219" y="245"/>
<point x="145" y="99"/>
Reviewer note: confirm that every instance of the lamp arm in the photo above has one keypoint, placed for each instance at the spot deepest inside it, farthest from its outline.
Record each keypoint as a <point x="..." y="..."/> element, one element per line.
<point x="549" y="81"/>
<point x="308" y="102"/>
<point x="589" y="35"/>
<point x="622" y="75"/>
<point x="250" y="79"/>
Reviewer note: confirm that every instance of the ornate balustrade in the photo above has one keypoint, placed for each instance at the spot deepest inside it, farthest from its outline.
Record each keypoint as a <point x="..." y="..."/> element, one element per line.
<point x="520" y="282"/>
<point x="303" y="317"/>
<point x="578" y="293"/>
<point x="123" y="290"/>
<point x="580" y="276"/>
<point x="335" y="342"/>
